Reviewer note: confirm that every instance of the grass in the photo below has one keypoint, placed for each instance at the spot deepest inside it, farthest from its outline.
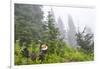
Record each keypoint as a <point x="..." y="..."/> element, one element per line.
<point x="58" y="52"/>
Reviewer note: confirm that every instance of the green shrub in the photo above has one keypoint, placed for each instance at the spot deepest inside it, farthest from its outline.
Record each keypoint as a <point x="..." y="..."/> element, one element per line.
<point x="58" y="52"/>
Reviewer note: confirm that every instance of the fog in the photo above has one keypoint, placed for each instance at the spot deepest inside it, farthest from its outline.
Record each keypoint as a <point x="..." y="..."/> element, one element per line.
<point x="81" y="16"/>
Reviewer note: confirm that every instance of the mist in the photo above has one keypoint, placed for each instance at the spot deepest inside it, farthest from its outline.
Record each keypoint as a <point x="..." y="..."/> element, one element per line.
<point x="81" y="16"/>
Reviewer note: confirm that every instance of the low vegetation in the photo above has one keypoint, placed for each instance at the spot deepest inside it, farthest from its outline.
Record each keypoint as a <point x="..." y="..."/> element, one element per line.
<point x="61" y="53"/>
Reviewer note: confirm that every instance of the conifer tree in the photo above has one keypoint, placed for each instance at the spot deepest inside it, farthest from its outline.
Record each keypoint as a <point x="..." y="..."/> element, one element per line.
<point x="85" y="40"/>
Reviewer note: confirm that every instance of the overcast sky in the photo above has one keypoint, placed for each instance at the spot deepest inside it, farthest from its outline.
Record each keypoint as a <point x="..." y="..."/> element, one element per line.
<point x="81" y="16"/>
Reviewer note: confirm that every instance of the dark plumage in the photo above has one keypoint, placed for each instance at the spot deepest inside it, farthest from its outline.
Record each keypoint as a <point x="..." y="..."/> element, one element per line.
<point x="33" y="56"/>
